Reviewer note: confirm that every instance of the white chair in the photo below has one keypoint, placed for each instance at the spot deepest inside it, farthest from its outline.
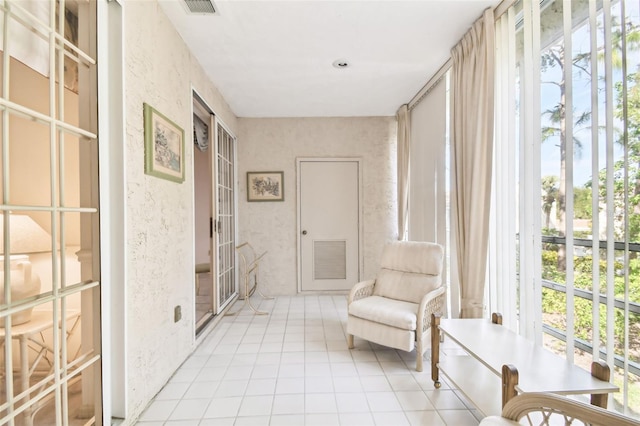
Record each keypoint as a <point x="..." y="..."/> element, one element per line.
<point x="395" y="309"/>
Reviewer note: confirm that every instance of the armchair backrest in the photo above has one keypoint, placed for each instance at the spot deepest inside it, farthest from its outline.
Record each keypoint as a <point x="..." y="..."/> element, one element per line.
<point x="409" y="270"/>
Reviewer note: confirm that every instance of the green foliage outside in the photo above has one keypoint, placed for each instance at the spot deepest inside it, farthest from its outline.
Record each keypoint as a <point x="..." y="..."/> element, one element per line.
<point x="554" y="302"/>
<point x="582" y="208"/>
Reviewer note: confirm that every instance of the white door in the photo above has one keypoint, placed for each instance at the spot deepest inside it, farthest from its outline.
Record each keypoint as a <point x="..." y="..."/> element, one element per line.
<point x="329" y="220"/>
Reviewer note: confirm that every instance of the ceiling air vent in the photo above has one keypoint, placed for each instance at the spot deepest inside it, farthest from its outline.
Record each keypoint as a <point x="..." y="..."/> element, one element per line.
<point x="200" y="6"/>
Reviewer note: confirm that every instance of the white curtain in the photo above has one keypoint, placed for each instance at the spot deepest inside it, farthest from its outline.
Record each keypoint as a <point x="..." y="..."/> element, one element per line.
<point x="404" y="144"/>
<point x="472" y="99"/>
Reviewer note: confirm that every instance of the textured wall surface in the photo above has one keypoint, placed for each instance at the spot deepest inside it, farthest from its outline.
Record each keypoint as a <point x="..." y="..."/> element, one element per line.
<point x="274" y="145"/>
<point x="161" y="71"/>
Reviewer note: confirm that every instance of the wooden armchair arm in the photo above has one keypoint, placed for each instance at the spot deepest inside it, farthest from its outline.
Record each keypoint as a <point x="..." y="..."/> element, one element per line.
<point x="432" y="302"/>
<point x="361" y="290"/>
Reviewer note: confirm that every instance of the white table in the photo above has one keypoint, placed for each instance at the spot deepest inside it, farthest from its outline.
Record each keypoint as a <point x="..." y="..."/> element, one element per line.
<point x="29" y="336"/>
<point x="501" y="363"/>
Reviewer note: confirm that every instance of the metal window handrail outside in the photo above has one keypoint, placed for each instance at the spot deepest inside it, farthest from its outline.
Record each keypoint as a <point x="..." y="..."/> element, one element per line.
<point x="586" y="242"/>
<point x="634" y="367"/>
<point x="587" y="294"/>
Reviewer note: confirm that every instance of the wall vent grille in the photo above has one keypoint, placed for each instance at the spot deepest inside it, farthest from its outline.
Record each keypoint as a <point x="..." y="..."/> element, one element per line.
<point x="329" y="260"/>
<point x="200" y="6"/>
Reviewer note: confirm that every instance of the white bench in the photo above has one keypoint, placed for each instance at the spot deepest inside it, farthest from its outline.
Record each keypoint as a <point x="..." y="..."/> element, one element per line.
<point x="500" y="364"/>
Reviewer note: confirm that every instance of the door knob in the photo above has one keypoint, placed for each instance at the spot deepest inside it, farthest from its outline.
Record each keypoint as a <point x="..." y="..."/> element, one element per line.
<point x="304" y="232"/>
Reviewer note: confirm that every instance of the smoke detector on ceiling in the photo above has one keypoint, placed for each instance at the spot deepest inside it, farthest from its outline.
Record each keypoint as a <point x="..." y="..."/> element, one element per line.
<point x="341" y="63"/>
<point x="203" y="7"/>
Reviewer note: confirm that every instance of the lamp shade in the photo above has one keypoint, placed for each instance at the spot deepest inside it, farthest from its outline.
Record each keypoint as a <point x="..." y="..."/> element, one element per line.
<point x="26" y="235"/>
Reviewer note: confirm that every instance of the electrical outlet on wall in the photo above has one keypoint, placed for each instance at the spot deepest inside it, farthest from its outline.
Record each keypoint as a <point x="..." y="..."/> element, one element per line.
<point x="177" y="313"/>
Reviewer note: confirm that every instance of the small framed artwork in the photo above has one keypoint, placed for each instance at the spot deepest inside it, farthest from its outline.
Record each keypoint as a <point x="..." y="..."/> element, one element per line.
<point x="163" y="146"/>
<point x="265" y="186"/>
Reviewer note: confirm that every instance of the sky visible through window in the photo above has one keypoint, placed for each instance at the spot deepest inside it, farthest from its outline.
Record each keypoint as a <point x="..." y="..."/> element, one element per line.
<point x="550" y="97"/>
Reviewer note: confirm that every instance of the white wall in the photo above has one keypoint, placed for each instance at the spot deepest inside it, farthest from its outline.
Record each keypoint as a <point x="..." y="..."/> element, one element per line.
<point x="274" y="144"/>
<point x="160" y="70"/>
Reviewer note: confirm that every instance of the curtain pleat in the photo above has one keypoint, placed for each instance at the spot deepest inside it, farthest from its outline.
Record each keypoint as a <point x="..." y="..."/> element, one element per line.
<point x="404" y="150"/>
<point x="472" y="115"/>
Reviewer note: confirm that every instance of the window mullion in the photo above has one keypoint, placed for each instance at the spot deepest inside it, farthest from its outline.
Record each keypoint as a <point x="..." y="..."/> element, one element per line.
<point x="627" y="236"/>
<point x="494" y="278"/>
<point x="511" y="290"/>
<point x="606" y="6"/>
<point x="530" y="232"/>
<point x="568" y="169"/>
<point x="525" y="255"/>
<point x="536" y="163"/>
<point x="53" y="133"/>
<point x="595" y="182"/>
<point x="61" y="376"/>
<point x="503" y="248"/>
<point x="8" y="346"/>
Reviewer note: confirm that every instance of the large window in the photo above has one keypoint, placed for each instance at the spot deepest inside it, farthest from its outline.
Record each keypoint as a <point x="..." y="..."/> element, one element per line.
<point x="50" y="363"/>
<point x="570" y="72"/>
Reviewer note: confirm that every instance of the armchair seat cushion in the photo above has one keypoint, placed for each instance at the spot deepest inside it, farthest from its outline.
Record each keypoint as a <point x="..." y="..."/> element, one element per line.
<point x="382" y="310"/>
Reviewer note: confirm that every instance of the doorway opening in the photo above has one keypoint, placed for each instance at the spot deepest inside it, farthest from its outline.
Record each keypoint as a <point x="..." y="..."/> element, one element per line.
<point x="203" y="121"/>
<point x="214" y="163"/>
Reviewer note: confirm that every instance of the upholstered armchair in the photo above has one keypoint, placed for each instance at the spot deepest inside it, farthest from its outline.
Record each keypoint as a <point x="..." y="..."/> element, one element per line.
<point x="395" y="309"/>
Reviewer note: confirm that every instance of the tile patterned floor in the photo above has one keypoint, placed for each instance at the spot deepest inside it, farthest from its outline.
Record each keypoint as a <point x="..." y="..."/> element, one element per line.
<point x="293" y="367"/>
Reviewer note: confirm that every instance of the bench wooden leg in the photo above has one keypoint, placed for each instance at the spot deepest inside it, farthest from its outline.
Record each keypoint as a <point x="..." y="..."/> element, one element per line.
<point x="509" y="383"/>
<point x="435" y="349"/>
<point x="600" y="370"/>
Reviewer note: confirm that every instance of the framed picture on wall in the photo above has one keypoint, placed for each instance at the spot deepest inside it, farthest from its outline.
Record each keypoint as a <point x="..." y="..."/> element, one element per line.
<point x="265" y="186"/>
<point x="163" y="146"/>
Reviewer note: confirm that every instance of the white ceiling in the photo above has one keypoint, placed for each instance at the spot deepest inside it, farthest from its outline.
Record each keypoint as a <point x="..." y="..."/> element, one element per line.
<point x="274" y="58"/>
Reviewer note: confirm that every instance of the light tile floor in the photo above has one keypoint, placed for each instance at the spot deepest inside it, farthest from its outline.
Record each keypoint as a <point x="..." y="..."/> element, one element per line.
<point x="293" y="367"/>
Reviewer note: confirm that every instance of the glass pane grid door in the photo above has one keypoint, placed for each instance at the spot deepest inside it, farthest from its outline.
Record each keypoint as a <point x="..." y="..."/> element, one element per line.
<point x="49" y="261"/>
<point x="226" y="216"/>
